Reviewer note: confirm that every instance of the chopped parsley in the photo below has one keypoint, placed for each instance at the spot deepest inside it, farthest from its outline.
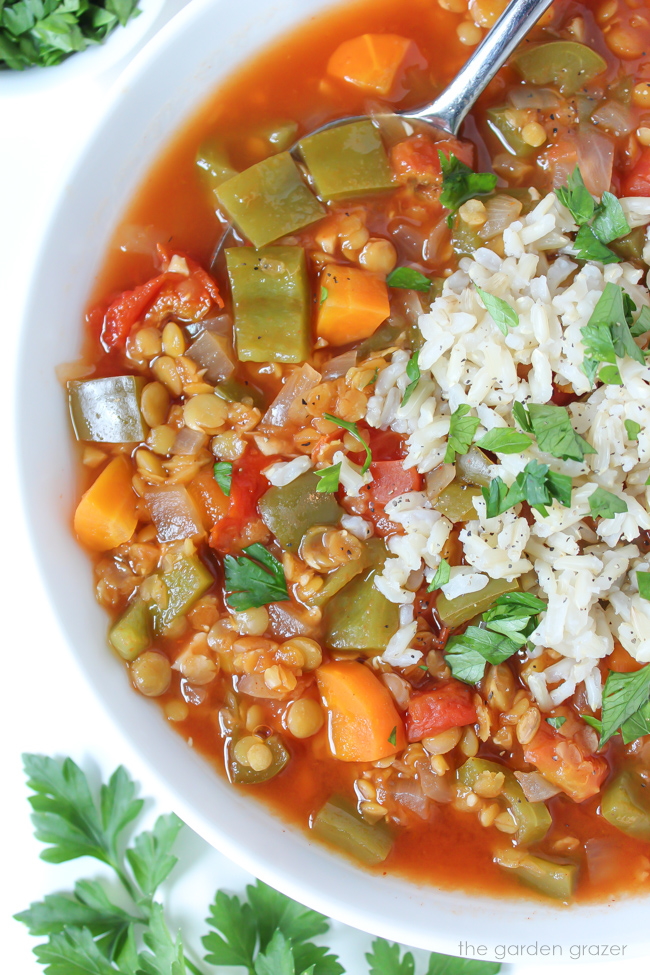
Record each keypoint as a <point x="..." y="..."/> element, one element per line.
<point x="413" y="375"/>
<point x="643" y="582"/>
<point x="392" y="738"/>
<point x="556" y="722"/>
<point x="599" y="223"/>
<point x="503" y="314"/>
<point x="633" y="429"/>
<point x="576" y="198"/>
<point x="624" y="695"/>
<point x="460" y="183"/>
<point x="461" y="432"/>
<point x="608" y="333"/>
<point x="537" y="484"/>
<point x="254" y="578"/>
<point x="604" y="504"/>
<point x="408" y="278"/>
<point x="553" y="431"/>
<point x="441" y="578"/>
<point x="323" y="293"/>
<point x="354" y="430"/>
<point x="504" y="440"/>
<point x="329" y="479"/>
<point x="222" y="472"/>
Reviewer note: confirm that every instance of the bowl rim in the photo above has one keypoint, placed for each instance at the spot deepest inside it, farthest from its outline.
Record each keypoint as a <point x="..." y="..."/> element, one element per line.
<point x="338" y="896"/>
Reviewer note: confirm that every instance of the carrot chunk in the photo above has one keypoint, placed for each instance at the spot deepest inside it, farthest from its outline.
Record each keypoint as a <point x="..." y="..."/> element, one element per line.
<point x="364" y="725"/>
<point x="353" y="306"/>
<point x="565" y="763"/>
<point x="446" y="706"/>
<point x="370" y="62"/>
<point x="106" y="515"/>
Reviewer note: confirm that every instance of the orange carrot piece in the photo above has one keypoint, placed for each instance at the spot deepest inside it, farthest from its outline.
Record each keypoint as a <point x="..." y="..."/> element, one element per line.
<point x="354" y="303"/>
<point x="364" y="724"/>
<point x="106" y="516"/>
<point x="212" y="502"/>
<point x="370" y="61"/>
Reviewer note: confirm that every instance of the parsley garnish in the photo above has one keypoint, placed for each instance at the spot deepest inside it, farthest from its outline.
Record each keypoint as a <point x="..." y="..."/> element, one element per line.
<point x="323" y="294"/>
<point x="643" y="582"/>
<point x="37" y="33"/>
<point x="392" y="738"/>
<point x="441" y="578"/>
<point x="608" y="374"/>
<point x="589" y="247"/>
<point x="556" y="722"/>
<point x="623" y="696"/>
<point x="504" y="440"/>
<point x="461" y="432"/>
<point x="576" y="198"/>
<point x="413" y="375"/>
<point x="354" y="430"/>
<point x="254" y="578"/>
<point x="536" y="484"/>
<point x="642" y="324"/>
<point x="607" y="335"/>
<point x="387" y="959"/>
<point x="633" y="429"/>
<point x="604" y="504"/>
<point x="608" y="221"/>
<point x="408" y="278"/>
<point x="460" y="183"/>
<point x="552" y="428"/>
<point x="329" y="478"/>
<point x="503" y="315"/>
<point x="223" y="476"/>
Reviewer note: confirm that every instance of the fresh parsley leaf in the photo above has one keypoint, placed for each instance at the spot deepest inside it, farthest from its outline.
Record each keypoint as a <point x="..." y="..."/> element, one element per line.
<point x="73" y="952"/>
<point x="150" y="856"/>
<point x="502" y="440"/>
<point x="576" y="198"/>
<point x="387" y="959"/>
<point x="323" y="294"/>
<point x="555" y="435"/>
<point x="392" y="738"/>
<point x="446" y="965"/>
<point x="598" y="342"/>
<point x="413" y="375"/>
<point x="274" y="910"/>
<point x="637" y="725"/>
<point x="467" y="654"/>
<point x="559" y="486"/>
<point x="233" y="938"/>
<point x="165" y="955"/>
<point x="610" y="376"/>
<point x="461" y="432"/>
<point x="329" y="478"/>
<point x="441" y="578"/>
<point x="592" y="722"/>
<point x="223" y="476"/>
<point x="503" y="315"/>
<point x="536" y="484"/>
<point x="642" y="324"/>
<point x="607" y="334"/>
<point x="610" y="223"/>
<point x="556" y="722"/>
<point x="623" y="696"/>
<point x="514" y="615"/>
<point x="465" y="662"/>
<point x="633" y="429"/>
<point x="277" y="958"/>
<point x="590" y="368"/>
<point x="88" y="907"/>
<point x="495" y="497"/>
<point x="409" y="278"/>
<point x="460" y="183"/>
<point x="643" y="582"/>
<point x="354" y="430"/>
<point x="604" y="504"/>
<point x="520" y="414"/>
<point x="254" y="578"/>
<point x="589" y="248"/>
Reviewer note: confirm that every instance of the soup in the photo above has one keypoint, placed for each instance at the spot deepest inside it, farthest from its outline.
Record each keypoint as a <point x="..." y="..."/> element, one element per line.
<point x="366" y="486"/>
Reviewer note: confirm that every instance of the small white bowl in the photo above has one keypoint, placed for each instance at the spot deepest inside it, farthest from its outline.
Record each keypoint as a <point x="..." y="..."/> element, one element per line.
<point x="166" y="83"/>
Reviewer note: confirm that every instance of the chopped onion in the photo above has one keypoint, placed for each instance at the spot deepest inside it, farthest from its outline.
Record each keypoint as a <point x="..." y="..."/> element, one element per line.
<point x="254" y="686"/>
<point x="434" y="786"/>
<point x="501" y="211"/>
<point x="438" y="479"/>
<point x="603" y="857"/>
<point x="525" y="97"/>
<point x="339" y="365"/>
<point x="408" y="792"/>
<point x="288" y="404"/>
<point x="411" y="239"/>
<point x="173" y="512"/>
<point x="435" y="242"/>
<point x="220" y="324"/>
<point x="613" y="117"/>
<point x="211" y="352"/>
<point x="474" y="467"/>
<point x="535" y="787"/>
<point x="288" y="620"/>
<point x="189" y="442"/>
<point x="595" y="159"/>
<point x="399" y="688"/>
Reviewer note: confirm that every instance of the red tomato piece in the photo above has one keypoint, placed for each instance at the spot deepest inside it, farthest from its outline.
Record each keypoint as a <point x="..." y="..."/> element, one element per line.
<point x="565" y="763"/>
<point x="247" y="487"/>
<point x="389" y="480"/>
<point x="637" y="182"/>
<point x="126" y="310"/>
<point x="448" y="705"/>
<point x="417" y="158"/>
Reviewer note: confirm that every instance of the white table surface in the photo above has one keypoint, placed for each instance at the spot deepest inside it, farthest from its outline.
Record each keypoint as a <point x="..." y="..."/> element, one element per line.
<point x="44" y="706"/>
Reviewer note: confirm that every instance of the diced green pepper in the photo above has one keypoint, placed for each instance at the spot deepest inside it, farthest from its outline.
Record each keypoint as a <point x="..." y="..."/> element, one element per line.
<point x="234" y="391"/>
<point x="270" y="294"/>
<point x="464" y="239"/>
<point x="500" y="122"/>
<point x="213" y="164"/>
<point x="626" y="805"/>
<point x="280" y="134"/>
<point x="455" y="611"/>
<point x="131" y="634"/>
<point x="565" y="64"/>
<point x="342" y="826"/>
<point x="630" y="247"/>
<point x="373" y="553"/>
<point x="185" y="582"/>
<point x="291" y="510"/>
<point x="384" y="337"/>
<point x="107" y="410"/>
<point x="455" y="502"/>
<point x="557" y="880"/>
<point x="359" y="617"/>
<point x="347" y="160"/>
<point x="532" y="818"/>
<point x="244" y="774"/>
<point x="269" y="200"/>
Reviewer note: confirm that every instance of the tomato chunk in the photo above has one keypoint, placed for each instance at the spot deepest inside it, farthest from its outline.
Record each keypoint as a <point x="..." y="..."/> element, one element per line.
<point x="565" y="763"/>
<point x="447" y="706"/>
<point x="417" y="158"/>
<point x="390" y="480"/>
<point x="247" y="487"/>
<point x="637" y="182"/>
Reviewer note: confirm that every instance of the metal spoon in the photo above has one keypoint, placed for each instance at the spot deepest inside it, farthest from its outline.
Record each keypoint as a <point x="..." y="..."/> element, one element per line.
<point x="447" y="111"/>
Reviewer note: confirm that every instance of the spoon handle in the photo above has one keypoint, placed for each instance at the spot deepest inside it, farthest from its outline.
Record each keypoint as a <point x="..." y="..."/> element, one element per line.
<point x="452" y="105"/>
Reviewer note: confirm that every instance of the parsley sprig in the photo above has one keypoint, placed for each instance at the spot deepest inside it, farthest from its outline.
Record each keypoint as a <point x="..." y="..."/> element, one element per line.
<point x="610" y="332"/>
<point x="599" y="223"/>
<point x="503" y="315"/>
<point x="409" y="279"/>
<point x="254" y="578"/>
<point x="537" y="484"/>
<point x="552" y="428"/>
<point x="86" y="933"/>
<point x="625" y="705"/>
<point x="462" y="428"/>
<point x="460" y="183"/>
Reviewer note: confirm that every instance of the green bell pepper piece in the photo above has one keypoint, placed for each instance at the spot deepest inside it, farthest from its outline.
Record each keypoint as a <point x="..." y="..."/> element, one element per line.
<point x="244" y="774"/>
<point x="269" y="200"/>
<point x="359" y="618"/>
<point x="557" y="880"/>
<point x="347" y="161"/>
<point x="271" y="298"/>
<point x="465" y="607"/>
<point x="185" y="582"/>
<point x="455" y="502"/>
<point x="213" y="164"/>
<point x="291" y="510"/>
<point x="532" y="818"/>
<point x="280" y="134"/>
<point x="131" y="634"/>
<point x="107" y="410"/>
<point x="341" y="825"/>
<point x="499" y="121"/>
<point x="630" y="247"/>
<point x="566" y="64"/>
<point x="234" y="391"/>
<point x="626" y="805"/>
<point x="373" y="554"/>
<point x="464" y="239"/>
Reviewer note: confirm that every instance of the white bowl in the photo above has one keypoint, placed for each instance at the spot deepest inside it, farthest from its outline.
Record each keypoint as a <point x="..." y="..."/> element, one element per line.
<point x="171" y="78"/>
